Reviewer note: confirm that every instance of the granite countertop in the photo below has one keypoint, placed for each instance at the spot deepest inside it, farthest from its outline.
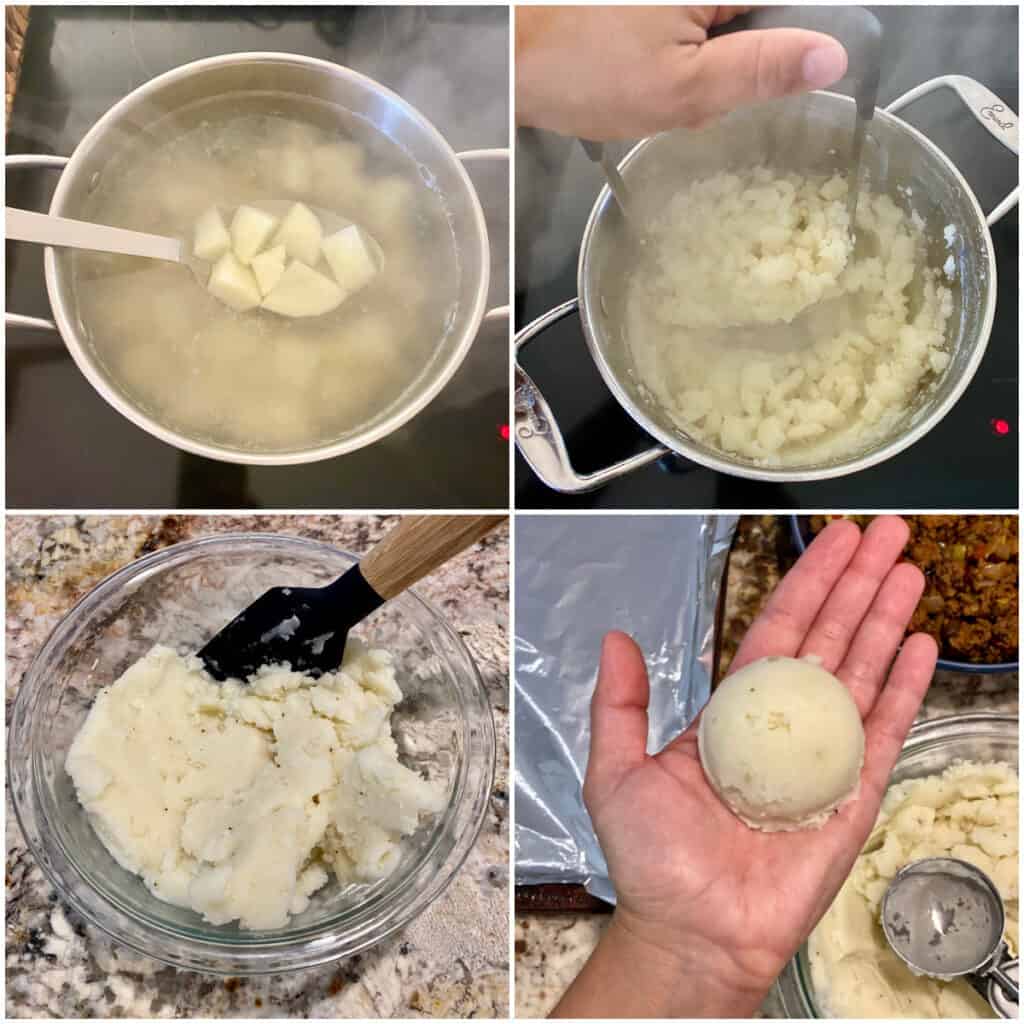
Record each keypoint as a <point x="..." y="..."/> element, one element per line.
<point x="16" y="22"/>
<point x="550" y="949"/>
<point x="452" y="961"/>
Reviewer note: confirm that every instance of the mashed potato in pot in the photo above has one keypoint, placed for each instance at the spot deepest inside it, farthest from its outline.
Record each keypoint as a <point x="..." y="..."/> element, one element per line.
<point x="754" y="323"/>
<point x="240" y="800"/>
<point x="970" y="812"/>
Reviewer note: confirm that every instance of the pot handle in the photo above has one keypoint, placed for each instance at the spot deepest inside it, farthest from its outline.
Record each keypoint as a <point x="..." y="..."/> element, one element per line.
<point x="33" y="160"/>
<point x="538" y="437"/>
<point x="990" y="112"/>
<point x="499" y="312"/>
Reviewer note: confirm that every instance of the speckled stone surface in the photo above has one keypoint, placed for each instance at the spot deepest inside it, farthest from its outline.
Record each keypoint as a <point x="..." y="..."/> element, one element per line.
<point x="550" y="949"/>
<point x="450" y="962"/>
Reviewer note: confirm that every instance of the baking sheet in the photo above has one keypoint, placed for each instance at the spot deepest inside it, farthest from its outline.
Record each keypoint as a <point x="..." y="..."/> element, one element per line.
<point x="655" y="577"/>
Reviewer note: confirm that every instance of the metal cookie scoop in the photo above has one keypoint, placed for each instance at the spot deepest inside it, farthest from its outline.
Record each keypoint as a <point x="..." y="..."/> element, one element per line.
<point x="944" y="918"/>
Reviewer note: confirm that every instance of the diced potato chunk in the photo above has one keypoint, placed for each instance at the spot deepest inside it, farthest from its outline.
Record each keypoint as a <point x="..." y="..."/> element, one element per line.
<point x="296" y="363"/>
<point x="351" y="257"/>
<point x="300" y="234"/>
<point x="389" y="201"/>
<point x="302" y="291"/>
<point x="268" y="267"/>
<point x="183" y="200"/>
<point x="295" y="170"/>
<point x="234" y="284"/>
<point x="212" y="237"/>
<point x="250" y="229"/>
<point x="338" y="164"/>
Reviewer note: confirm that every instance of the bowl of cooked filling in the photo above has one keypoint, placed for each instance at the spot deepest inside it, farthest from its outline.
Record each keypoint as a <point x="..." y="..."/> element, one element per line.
<point x="250" y="826"/>
<point x="970" y="602"/>
<point x="954" y="792"/>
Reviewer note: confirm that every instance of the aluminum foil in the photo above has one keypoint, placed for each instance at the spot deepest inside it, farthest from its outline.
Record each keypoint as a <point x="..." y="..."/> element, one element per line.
<point x="655" y="577"/>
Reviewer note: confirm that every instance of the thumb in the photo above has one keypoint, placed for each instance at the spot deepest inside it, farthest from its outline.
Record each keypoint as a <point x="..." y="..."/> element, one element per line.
<point x="747" y="67"/>
<point x="618" y="714"/>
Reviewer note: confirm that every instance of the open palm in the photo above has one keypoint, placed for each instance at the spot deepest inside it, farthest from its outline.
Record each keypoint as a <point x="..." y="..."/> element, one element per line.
<point x="690" y="875"/>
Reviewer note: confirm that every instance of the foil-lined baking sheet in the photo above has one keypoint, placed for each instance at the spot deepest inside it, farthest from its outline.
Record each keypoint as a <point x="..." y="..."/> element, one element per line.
<point x="658" y="578"/>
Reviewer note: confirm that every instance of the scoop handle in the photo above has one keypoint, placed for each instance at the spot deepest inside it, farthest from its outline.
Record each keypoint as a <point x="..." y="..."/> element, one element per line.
<point x="27" y="226"/>
<point x="417" y="546"/>
<point x="1010" y="988"/>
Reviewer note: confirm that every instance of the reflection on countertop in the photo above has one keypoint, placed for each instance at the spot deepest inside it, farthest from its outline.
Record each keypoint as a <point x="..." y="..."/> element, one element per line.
<point x="450" y="962"/>
<point x="550" y="949"/>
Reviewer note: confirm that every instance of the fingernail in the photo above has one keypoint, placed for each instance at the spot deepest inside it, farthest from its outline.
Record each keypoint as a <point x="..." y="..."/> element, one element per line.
<point x="824" y="65"/>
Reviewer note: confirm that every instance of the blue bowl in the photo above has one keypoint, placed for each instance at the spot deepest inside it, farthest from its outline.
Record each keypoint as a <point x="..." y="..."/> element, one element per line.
<point x="800" y="529"/>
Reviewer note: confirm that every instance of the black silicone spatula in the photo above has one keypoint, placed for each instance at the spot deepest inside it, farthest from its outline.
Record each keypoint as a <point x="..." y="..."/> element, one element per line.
<point x="307" y="626"/>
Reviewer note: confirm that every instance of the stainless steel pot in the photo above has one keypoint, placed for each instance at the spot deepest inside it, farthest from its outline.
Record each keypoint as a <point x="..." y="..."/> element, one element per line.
<point x="809" y="134"/>
<point x="307" y="79"/>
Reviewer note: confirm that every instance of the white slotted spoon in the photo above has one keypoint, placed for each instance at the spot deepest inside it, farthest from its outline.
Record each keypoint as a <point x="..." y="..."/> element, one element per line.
<point x="44" y="229"/>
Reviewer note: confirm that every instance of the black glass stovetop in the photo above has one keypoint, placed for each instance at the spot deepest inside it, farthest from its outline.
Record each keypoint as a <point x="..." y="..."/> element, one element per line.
<point x="968" y="461"/>
<point x="66" y="447"/>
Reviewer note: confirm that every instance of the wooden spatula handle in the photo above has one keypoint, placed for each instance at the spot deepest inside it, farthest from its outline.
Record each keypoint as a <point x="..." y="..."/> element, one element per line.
<point x="417" y="546"/>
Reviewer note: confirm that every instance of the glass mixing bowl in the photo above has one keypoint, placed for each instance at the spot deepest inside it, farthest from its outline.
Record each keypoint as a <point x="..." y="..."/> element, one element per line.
<point x="179" y="597"/>
<point x="930" y="748"/>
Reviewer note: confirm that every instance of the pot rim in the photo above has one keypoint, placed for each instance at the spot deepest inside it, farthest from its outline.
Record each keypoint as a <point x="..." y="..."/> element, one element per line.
<point x="785" y="474"/>
<point x="77" y="348"/>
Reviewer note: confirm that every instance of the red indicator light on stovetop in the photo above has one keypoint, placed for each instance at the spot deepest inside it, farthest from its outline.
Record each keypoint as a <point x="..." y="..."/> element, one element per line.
<point x="504" y="432"/>
<point x="1000" y="427"/>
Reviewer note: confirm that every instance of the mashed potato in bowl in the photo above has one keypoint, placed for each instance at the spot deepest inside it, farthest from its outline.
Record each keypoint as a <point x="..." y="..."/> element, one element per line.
<point x="968" y="811"/>
<point x="752" y="320"/>
<point x="240" y="800"/>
